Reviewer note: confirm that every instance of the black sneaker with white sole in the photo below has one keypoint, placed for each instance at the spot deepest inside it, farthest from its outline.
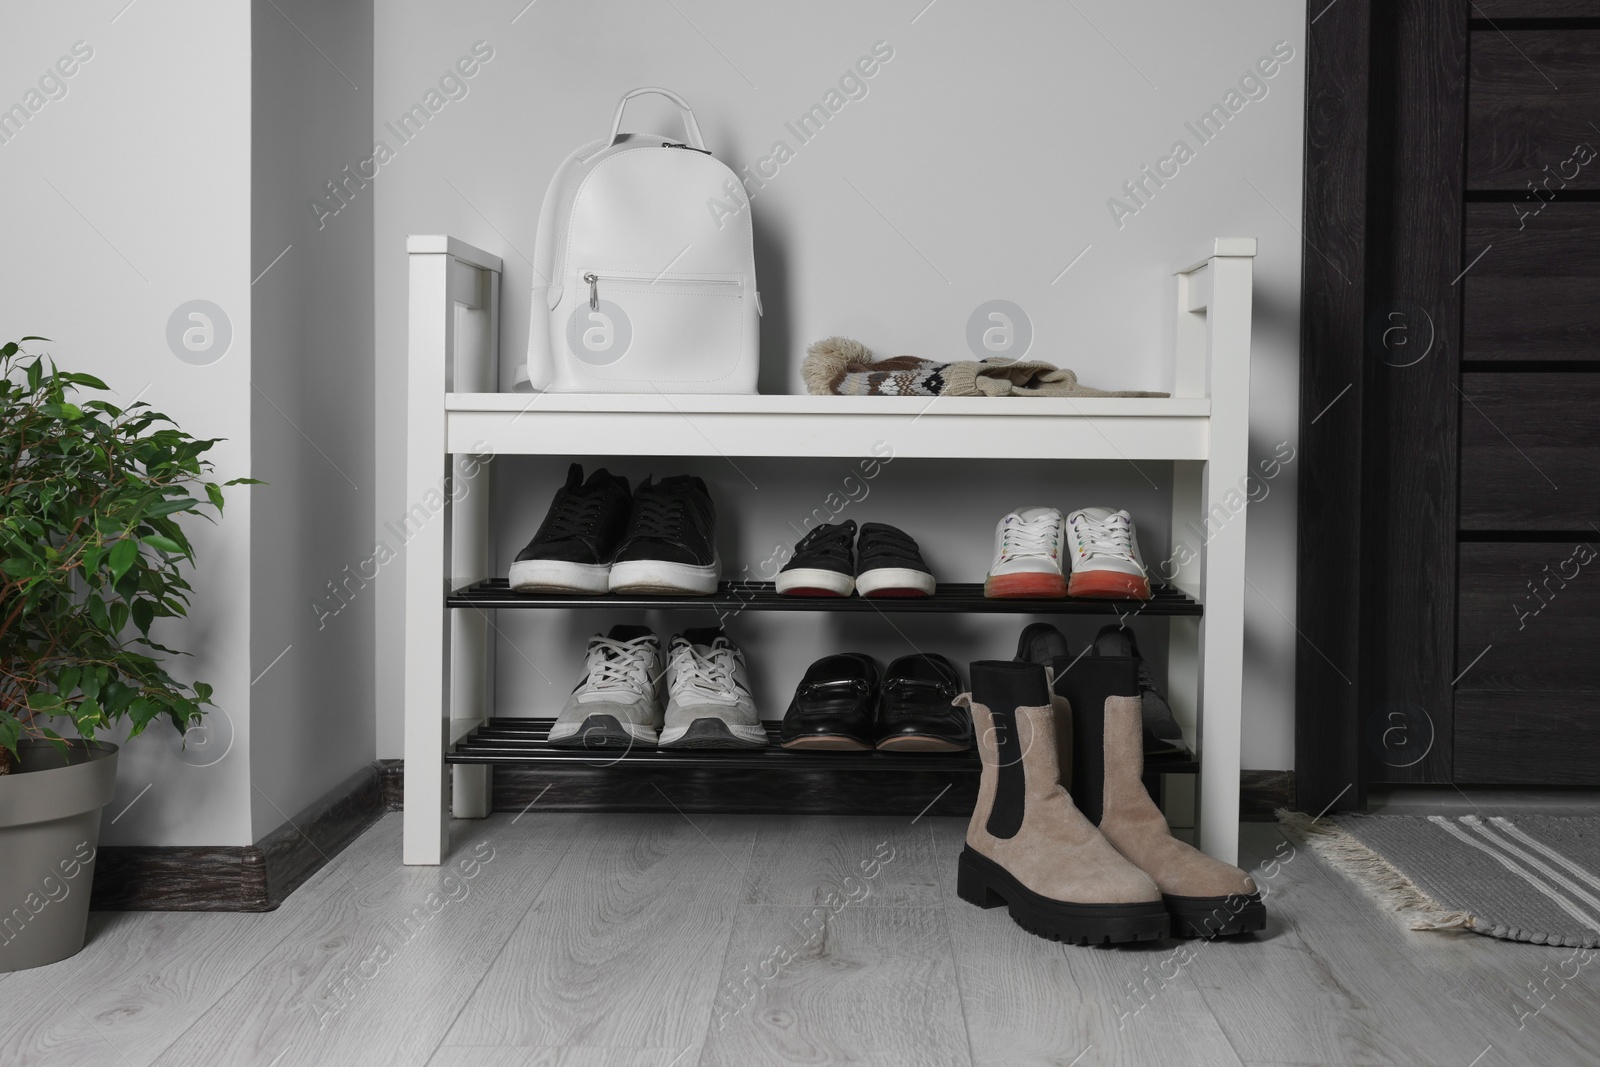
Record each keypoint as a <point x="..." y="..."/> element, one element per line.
<point x="889" y="564"/>
<point x="670" y="543"/>
<point x="823" y="564"/>
<point x="572" y="551"/>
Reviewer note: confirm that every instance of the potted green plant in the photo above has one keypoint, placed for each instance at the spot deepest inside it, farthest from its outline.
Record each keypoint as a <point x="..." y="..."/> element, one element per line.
<point x="92" y="553"/>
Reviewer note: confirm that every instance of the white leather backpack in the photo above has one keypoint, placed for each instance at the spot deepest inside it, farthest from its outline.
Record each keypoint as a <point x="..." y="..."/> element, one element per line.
<point x="644" y="277"/>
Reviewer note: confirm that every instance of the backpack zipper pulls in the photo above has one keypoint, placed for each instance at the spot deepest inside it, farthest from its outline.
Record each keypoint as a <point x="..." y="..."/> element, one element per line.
<point x="594" y="290"/>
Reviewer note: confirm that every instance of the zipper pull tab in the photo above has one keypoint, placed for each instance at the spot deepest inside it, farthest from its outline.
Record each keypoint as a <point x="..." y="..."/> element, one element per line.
<point x="594" y="291"/>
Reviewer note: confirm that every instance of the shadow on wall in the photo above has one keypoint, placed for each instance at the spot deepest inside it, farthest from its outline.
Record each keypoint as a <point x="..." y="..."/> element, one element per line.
<point x="772" y="272"/>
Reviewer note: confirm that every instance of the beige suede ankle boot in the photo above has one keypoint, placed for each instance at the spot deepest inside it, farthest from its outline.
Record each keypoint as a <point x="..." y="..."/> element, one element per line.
<point x="1027" y="847"/>
<point x="1098" y="699"/>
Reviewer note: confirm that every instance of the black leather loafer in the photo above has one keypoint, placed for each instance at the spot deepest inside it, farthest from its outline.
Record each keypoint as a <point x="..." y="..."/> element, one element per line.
<point x="914" y="711"/>
<point x="833" y="705"/>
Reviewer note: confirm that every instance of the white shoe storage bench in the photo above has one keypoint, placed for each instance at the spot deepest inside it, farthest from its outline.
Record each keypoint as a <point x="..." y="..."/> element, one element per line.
<point x="453" y="584"/>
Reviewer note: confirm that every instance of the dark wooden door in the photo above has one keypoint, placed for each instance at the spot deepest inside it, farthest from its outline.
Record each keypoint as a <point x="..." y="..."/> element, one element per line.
<point x="1450" y="506"/>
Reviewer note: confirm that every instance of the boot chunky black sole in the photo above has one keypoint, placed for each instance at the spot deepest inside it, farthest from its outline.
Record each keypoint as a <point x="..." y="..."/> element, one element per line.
<point x="981" y="881"/>
<point x="1216" y="916"/>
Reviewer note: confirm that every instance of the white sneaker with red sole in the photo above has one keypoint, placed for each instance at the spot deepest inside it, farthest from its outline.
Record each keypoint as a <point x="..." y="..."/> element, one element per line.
<point x="1027" y="555"/>
<point x="1103" y="551"/>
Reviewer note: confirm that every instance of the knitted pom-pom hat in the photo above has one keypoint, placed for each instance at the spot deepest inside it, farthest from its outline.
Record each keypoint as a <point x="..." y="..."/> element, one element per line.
<point x="838" y="366"/>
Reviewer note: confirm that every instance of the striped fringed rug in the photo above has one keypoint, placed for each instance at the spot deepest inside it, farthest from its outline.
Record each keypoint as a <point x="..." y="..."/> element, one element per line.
<point x="1532" y="878"/>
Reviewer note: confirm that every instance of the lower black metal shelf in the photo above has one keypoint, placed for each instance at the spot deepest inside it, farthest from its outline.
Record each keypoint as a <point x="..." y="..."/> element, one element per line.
<point x="733" y="597"/>
<point x="772" y="780"/>
<point x="523" y="740"/>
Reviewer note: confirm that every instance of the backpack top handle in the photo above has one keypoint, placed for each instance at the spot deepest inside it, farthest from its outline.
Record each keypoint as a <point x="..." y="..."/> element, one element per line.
<point x="691" y="128"/>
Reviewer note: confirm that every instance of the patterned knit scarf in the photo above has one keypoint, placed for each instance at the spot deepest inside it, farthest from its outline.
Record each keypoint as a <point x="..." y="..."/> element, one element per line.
<point x="838" y="366"/>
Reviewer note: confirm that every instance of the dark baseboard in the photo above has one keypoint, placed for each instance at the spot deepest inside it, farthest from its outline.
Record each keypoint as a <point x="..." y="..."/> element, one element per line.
<point x="1262" y="793"/>
<point x="583" y="787"/>
<point x="392" y="773"/>
<point x="254" y="877"/>
<point x="578" y="786"/>
<point x="261" y="876"/>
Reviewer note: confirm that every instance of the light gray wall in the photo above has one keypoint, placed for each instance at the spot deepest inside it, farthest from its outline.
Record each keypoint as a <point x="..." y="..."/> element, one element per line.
<point x="311" y="405"/>
<point x="173" y="165"/>
<point x="124" y="199"/>
<point x="979" y="164"/>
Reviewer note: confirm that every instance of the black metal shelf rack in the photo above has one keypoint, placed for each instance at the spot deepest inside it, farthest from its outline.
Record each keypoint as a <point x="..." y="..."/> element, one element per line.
<point x="763" y="596"/>
<point x="773" y="780"/>
<point x="760" y="781"/>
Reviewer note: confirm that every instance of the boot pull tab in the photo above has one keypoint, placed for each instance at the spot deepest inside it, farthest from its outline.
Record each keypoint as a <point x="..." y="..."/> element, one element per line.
<point x="962" y="700"/>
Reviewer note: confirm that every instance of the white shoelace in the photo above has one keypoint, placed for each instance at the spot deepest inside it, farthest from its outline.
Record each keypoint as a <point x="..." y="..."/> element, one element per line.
<point x="1031" y="537"/>
<point x="704" y="676"/>
<point x="1113" y="537"/>
<point x="619" y="665"/>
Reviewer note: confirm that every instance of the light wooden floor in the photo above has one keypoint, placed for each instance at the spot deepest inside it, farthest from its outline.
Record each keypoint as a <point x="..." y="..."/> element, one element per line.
<point x="654" y="941"/>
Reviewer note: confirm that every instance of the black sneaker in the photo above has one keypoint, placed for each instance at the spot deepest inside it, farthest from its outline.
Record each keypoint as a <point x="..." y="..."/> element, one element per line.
<point x="824" y="563"/>
<point x="888" y="564"/>
<point x="670" y="543"/>
<point x="572" y="551"/>
<point x="1162" y="734"/>
<point x="1041" y="642"/>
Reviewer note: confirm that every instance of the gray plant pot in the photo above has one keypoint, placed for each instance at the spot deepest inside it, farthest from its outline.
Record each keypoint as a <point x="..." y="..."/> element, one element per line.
<point x="50" y="808"/>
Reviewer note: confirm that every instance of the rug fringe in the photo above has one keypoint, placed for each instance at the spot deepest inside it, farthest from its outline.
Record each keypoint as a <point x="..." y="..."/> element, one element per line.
<point x="1380" y="879"/>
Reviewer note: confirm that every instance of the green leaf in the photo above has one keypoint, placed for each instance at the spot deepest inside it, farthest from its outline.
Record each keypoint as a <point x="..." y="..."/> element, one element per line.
<point x="123" y="553"/>
<point x="98" y="614"/>
<point x="167" y="507"/>
<point x="86" y="716"/>
<point x="165" y="544"/>
<point x="10" y="731"/>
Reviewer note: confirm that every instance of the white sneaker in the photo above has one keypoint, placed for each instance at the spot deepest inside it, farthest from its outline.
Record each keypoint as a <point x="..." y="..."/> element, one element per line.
<point x="708" y="703"/>
<point x="1027" y="555"/>
<point x="1103" y="548"/>
<point x="617" y="703"/>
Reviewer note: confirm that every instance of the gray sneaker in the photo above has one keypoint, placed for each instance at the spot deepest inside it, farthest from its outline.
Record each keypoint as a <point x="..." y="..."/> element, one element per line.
<point x="709" y="703"/>
<point x="617" y="703"/>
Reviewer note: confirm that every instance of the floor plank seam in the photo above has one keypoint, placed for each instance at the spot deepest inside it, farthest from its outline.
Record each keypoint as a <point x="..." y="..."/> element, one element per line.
<point x="727" y="941"/>
<point x="955" y="956"/>
<point x="309" y="883"/>
<point x="533" y="900"/>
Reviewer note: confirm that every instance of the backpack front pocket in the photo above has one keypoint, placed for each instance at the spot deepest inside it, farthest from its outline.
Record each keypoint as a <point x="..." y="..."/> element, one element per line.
<point x="629" y="327"/>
